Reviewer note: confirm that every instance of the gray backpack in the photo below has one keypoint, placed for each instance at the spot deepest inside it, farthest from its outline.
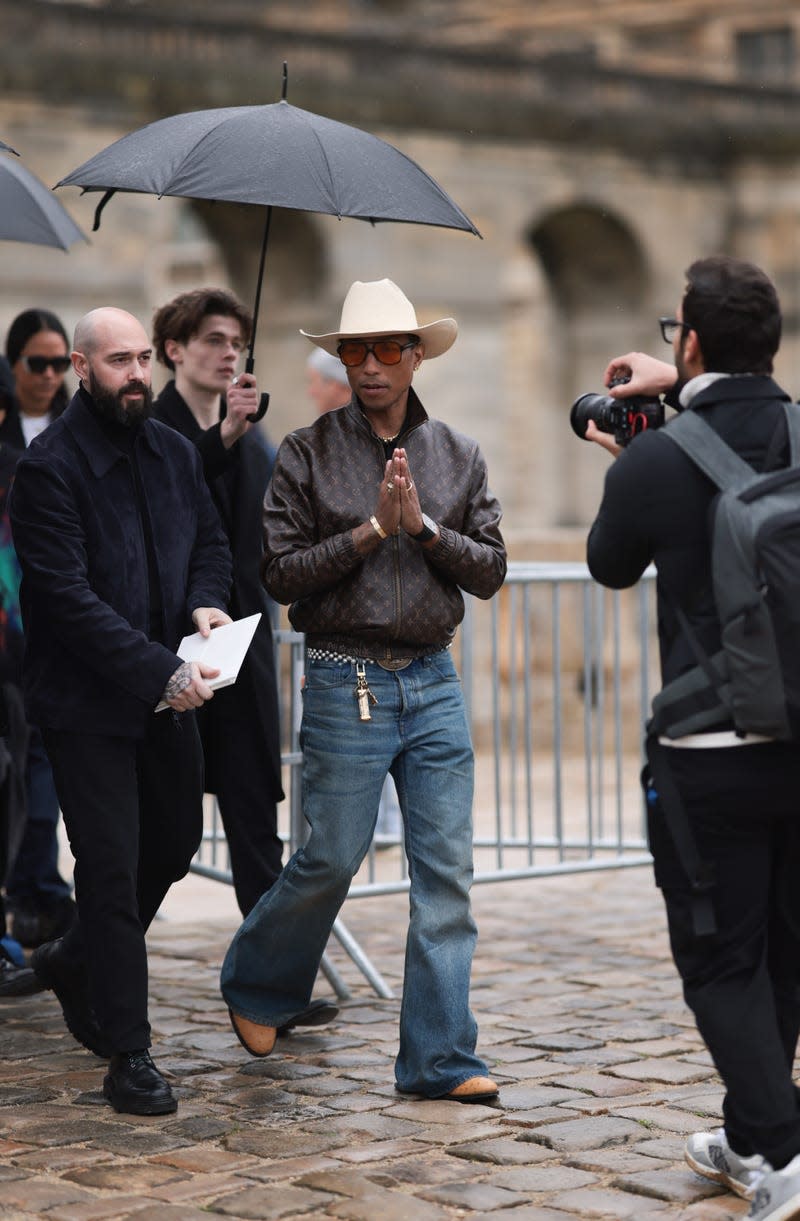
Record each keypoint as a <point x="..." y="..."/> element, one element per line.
<point x="754" y="679"/>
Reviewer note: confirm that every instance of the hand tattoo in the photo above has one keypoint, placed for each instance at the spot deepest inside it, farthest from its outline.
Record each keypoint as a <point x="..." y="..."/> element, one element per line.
<point x="180" y="680"/>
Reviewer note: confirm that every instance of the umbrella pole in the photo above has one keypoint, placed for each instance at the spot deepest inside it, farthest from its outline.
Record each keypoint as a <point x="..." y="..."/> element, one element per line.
<point x="250" y="360"/>
<point x="250" y="364"/>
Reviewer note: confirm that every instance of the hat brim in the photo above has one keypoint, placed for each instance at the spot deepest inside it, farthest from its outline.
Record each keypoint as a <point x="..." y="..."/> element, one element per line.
<point x="437" y="337"/>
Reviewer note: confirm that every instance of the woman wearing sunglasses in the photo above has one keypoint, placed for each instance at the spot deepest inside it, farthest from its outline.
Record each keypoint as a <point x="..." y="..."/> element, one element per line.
<point x="37" y="896"/>
<point x="38" y="353"/>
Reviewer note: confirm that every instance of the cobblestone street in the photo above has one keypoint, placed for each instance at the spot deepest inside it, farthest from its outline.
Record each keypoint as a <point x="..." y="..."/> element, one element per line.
<point x="581" y="1018"/>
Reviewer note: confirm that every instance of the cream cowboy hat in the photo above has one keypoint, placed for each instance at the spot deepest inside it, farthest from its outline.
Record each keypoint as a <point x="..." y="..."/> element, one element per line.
<point x="379" y="307"/>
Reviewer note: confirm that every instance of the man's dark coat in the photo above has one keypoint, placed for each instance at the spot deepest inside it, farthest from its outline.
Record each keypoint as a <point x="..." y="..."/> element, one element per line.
<point x="89" y="663"/>
<point x="238" y="479"/>
<point x="656" y="506"/>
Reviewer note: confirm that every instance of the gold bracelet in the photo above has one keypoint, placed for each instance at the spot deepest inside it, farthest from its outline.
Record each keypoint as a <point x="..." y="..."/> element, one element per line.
<point x="377" y="527"/>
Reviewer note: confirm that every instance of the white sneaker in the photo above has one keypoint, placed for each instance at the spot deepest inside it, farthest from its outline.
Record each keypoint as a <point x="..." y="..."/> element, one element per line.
<point x="709" y="1154"/>
<point x="777" y="1194"/>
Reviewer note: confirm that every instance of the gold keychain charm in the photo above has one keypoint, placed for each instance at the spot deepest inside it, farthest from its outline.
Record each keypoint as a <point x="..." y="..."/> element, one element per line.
<point x="363" y="693"/>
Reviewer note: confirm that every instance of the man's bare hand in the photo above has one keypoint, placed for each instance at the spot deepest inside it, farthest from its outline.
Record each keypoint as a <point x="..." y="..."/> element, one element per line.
<point x="187" y="688"/>
<point x="647" y="374"/>
<point x="388" y="507"/>
<point x="410" y="509"/>
<point x="603" y="439"/>
<point x="241" y="400"/>
<point x="207" y="617"/>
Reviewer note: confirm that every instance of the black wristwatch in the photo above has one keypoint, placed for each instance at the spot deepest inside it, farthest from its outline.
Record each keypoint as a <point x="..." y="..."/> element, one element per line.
<point x="429" y="530"/>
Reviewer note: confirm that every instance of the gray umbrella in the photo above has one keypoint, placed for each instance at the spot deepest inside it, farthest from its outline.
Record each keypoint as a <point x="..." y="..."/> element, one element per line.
<point x="276" y="156"/>
<point x="29" y="212"/>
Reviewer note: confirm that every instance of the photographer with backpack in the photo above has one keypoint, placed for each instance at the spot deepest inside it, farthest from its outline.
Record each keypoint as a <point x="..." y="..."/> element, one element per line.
<point x="721" y="523"/>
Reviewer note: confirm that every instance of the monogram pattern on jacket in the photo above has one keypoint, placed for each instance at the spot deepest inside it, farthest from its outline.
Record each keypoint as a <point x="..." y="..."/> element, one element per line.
<point x="325" y="483"/>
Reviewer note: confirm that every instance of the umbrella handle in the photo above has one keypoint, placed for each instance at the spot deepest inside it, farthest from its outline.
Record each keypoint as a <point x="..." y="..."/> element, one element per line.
<point x="263" y="404"/>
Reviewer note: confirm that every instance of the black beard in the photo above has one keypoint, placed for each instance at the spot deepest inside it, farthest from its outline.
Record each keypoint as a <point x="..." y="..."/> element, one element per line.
<point x="110" y="405"/>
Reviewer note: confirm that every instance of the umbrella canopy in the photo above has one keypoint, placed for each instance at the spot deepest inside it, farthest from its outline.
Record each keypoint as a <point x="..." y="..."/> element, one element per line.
<point x="277" y="155"/>
<point x="6" y="148"/>
<point x="29" y="212"/>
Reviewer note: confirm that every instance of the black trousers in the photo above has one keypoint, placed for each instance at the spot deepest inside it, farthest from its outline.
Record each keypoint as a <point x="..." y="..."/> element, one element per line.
<point x="743" y="982"/>
<point x="242" y="771"/>
<point x="133" y="813"/>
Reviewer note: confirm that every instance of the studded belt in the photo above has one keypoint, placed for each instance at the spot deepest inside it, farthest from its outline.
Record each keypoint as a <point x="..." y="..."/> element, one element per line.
<point x="390" y="663"/>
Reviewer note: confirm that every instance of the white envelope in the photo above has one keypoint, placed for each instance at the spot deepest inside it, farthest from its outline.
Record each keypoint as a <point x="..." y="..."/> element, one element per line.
<point x="224" y="649"/>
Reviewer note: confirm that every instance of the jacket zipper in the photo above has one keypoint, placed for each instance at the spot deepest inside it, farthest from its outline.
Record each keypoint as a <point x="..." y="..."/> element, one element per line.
<point x="398" y="586"/>
<point x="397" y="580"/>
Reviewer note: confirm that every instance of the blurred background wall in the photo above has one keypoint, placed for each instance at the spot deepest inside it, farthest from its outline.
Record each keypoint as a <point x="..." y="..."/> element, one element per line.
<point x="599" y="146"/>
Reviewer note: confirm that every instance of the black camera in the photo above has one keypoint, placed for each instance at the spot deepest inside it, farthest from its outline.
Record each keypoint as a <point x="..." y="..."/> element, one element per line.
<point x="625" y="418"/>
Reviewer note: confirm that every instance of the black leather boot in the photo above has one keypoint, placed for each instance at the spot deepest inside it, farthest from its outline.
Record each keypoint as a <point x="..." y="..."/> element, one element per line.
<point x="71" y="985"/>
<point x="16" y="980"/>
<point x="134" y="1085"/>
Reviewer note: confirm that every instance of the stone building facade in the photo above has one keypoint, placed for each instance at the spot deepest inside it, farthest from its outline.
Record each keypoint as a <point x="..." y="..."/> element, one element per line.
<point x="598" y="145"/>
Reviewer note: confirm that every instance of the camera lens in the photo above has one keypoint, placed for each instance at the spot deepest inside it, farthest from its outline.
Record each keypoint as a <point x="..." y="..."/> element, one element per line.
<point x="598" y="407"/>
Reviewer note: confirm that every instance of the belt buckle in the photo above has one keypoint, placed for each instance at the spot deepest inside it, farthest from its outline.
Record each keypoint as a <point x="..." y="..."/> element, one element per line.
<point x="395" y="663"/>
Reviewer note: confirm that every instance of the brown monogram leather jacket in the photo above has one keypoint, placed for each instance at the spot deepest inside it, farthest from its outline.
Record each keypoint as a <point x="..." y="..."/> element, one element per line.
<point x="402" y="600"/>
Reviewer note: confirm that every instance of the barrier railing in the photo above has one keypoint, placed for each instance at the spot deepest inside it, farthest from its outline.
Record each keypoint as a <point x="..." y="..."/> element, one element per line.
<point x="557" y="674"/>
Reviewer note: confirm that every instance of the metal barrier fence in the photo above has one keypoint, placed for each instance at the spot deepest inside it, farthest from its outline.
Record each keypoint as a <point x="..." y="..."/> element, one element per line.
<point x="557" y="674"/>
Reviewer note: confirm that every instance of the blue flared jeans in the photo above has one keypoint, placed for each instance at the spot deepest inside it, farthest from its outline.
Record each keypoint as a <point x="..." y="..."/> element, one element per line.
<point x="419" y="733"/>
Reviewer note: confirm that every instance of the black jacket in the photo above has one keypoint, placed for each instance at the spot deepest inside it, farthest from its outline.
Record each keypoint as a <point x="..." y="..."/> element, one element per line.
<point x="11" y="426"/>
<point x="656" y="504"/>
<point x="238" y="478"/>
<point x="89" y="662"/>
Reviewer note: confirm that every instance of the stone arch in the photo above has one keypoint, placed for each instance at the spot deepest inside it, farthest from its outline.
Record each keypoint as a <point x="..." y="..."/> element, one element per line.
<point x="591" y="258"/>
<point x="296" y="262"/>
<point x="595" y="283"/>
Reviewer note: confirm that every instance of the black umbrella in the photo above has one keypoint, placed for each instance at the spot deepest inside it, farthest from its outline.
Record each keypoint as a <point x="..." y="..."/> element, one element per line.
<point x="276" y="156"/>
<point x="29" y="212"/>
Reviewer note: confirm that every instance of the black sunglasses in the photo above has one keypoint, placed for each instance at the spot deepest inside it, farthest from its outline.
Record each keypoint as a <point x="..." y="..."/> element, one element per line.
<point x="669" y="326"/>
<point x="353" y="352"/>
<point x="38" y="364"/>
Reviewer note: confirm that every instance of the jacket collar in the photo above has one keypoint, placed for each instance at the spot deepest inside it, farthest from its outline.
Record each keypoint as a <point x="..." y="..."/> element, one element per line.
<point x="697" y="385"/>
<point x="100" y="452"/>
<point x="415" y="413"/>
<point x="173" y="405"/>
<point x="736" y="387"/>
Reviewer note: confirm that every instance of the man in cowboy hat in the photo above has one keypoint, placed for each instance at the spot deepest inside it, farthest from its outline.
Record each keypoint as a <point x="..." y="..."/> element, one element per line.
<point x="376" y="518"/>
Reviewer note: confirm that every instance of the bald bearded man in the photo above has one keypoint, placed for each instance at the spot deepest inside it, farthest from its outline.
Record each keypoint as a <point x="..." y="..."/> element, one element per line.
<point x="122" y="554"/>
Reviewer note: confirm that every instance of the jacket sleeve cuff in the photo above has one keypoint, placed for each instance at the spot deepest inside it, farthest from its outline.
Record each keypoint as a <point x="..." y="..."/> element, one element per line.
<point x="163" y="667"/>
<point x="445" y="545"/>
<point x="673" y="396"/>
<point x="206" y="597"/>
<point x="346" y="551"/>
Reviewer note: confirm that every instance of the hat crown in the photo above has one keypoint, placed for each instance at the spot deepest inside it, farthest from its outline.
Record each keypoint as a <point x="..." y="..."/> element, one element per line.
<point x="375" y="307"/>
<point x="379" y="307"/>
